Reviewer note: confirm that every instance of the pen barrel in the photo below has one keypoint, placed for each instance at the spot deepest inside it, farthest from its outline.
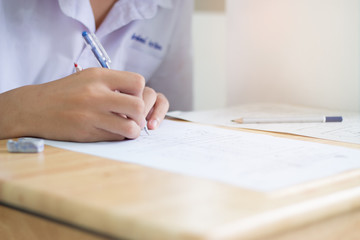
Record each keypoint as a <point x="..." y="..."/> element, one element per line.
<point x="285" y="120"/>
<point x="97" y="49"/>
<point x="99" y="57"/>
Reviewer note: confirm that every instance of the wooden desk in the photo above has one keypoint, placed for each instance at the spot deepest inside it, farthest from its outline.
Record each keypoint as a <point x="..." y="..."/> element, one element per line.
<point x="60" y="194"/>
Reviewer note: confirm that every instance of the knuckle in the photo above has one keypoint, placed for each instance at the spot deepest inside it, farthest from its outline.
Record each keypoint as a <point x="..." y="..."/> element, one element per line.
<point x="161" y="97"/>
<point x="163" y="100"/>
<point x="138" y="81"/>
<point x="150" y="91"/>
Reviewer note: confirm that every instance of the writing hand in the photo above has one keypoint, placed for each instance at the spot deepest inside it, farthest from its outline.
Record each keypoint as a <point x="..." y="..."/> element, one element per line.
<point x="82" y="107"/>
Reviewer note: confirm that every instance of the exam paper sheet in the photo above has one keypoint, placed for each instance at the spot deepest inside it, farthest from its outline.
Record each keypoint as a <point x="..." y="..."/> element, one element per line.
<point x="249" y="160"/>
<point x="346" y="131"/>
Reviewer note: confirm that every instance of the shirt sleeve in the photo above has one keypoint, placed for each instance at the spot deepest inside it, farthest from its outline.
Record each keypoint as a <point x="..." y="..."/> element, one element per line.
<point x="174" y="76"/>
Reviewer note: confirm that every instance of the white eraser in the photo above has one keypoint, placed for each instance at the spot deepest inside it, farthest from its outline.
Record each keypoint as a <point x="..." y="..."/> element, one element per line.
<point x="26" y="145"/>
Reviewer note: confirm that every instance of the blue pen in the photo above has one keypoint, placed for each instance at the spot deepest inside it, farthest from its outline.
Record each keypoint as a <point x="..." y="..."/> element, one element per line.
<point x="97" y="49"/>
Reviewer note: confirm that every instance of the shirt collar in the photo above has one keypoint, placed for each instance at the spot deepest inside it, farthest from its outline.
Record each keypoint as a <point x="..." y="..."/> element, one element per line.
<point x="126" y="11"/>
<point x="78" y="10"/>
<point x="165" y="3"/>
<point x="122" y="13"/>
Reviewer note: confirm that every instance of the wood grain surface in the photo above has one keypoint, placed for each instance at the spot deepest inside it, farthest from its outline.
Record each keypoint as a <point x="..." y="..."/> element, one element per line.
<point x="130" y="201"/>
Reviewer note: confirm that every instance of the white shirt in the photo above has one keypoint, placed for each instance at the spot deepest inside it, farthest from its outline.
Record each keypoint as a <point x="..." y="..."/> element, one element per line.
<point x="41" y="39"/>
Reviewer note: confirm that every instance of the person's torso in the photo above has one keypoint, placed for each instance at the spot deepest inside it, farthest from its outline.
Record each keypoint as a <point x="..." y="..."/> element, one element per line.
<point x="42" y="39"/>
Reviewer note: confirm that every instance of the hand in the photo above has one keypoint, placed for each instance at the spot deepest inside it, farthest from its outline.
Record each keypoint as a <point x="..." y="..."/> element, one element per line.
<point x="82" y="107"/>
<point x="156" y="107"/>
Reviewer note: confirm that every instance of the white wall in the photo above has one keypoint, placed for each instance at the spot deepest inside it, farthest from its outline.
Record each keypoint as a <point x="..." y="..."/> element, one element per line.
<point x="294" y="51"/>
<point x="209" y="31"/>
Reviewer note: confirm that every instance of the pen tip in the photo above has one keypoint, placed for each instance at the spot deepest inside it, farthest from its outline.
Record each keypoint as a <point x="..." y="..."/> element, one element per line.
<point x="146" y="130"/>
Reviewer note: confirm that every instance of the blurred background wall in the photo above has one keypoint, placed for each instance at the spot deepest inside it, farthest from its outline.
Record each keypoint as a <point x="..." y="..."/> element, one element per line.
<point x="299" y="52"/>
<point x="209" y="42"/>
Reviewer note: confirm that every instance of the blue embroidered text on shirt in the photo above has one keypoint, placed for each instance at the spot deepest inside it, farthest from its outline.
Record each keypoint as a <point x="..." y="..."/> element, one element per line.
<point x="143" y="40"/>
<point x="155" y="45"/>
<point x="138" y="38"/>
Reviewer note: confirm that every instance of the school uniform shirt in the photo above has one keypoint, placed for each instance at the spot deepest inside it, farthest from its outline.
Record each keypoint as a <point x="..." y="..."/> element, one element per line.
<point x="41" y="39"/>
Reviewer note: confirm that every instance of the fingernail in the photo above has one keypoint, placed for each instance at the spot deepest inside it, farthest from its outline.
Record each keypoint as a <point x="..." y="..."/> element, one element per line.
<point x="154" y="124"/>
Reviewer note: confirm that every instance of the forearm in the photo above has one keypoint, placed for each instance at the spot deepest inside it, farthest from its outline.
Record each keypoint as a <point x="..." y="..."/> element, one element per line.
<point x="12" y="116"/>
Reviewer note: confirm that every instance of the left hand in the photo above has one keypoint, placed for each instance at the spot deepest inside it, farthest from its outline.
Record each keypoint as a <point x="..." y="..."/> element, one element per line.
<point x="156" y="107"/>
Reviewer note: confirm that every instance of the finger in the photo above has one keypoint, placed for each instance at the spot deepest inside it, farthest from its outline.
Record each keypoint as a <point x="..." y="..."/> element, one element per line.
<point x="149" y="97"/>
<point x="126" y="82"/>
<point x="102" y="135"/>
<point x="118" y="125"/>
<point x="128" y="105"/>
<point x="95" y="135"/>
<point x="158" y="112"/>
